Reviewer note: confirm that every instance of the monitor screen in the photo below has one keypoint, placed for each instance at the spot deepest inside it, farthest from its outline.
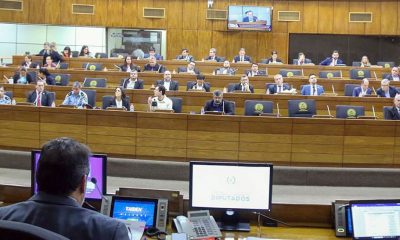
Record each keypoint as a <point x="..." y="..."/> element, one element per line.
<point x="250" y="18"/>
<point x="134" y="209"/>
<point x="230" y="185"/>
<point x="98" y="171"/>
<point x="376" y="219"/>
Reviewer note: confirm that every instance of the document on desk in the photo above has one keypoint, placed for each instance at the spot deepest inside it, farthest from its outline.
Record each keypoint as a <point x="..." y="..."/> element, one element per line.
<point x="257" y="238"/>
<point x="135" y="229"/>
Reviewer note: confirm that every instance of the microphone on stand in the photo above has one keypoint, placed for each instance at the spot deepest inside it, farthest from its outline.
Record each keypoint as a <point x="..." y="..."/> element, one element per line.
<point x="94" y="181"/>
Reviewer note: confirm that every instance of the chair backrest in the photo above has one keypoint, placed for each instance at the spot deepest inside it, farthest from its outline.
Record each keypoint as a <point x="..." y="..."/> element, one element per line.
<point x="176" y="104"/>
<point x="64" y="65"/>
<point x="267" y="85"/>
<point x="53" y="96"/>
<point x="330" y="74"/>
<point x="231" y="87"/>
<point x="385" y="75"/>
<point x="291" y="72"/>
<point x="386" y="64"/>
<point x="92" y="66"/>
<point x="95" y="82"/>
<point x="265" y="60"/>
<point x="255" y="107"/>
<point x="348" y="111"/>
<point x="222" y="59"/>
<point x="386" y="110"/>
<point x="9" y="94"/>
<point x="100" y="55"/>
<point x="75" y="53"/>
<point x="62" y="79"/>
<point x="33" y="75"/>
<point x="356" y="64"/>
<point x="11" y="230"/>
<point x="302" y="108"/>
<point x="360" y="73"/>
<point x="181" y="69"/>
<point x="295" y="60"/>
<point x="348" y="89"/>
<point x="232" y="104"/>
<point x="189" y="84"/>
<point x="91" y="94"/>
<point x="106" y="101"/>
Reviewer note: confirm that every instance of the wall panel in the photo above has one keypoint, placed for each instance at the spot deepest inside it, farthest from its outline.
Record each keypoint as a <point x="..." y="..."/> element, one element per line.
<point x="356" y="6"/>
<point x="390" y="17"/>
<point x="341" y="17"/>
<point x="325" y="16"/>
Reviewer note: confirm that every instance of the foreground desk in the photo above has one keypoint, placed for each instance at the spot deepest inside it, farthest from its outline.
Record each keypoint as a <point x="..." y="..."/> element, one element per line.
<point x="143" y="135"/>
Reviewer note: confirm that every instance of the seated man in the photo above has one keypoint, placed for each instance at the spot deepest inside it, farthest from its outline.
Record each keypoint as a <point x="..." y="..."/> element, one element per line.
<point x="250" y="17"/>
<point x="154" y="66"/>
<point x="167" y="82"/>
<point x="41" y="97"/>
<point x="22" y="77"/>
<point x="278" y="87"/>
<point x="76" y="97"/>
<point x="394" y="75"/>
<point x="46" y="49"/>
<point x="133" y="82"/>
<point x="212" y="56"/>
<point x="386" y="90"/>
<point x="363" y="89"/>
<point x="313" y="89"/>
<point x="274" y="58"/>
<point x="191" y="68"/>
<point x="217" y="104"/>
<point x="61" y="176"/>
<point x="4" y="99"/>
<point x="332" y="61"/>
<point x="244" y="85"/>
<point x="242" y="57"/>
<point x="199" y="84"/>
<point x="254" y="71"/>
<point x="185" y="55"/>
<point x="394" y="112"/>
<point x="302" y="60"/>
<point x="160" y="101"/>
<point x="152" y="52"/>
<point x="225" y="70"/>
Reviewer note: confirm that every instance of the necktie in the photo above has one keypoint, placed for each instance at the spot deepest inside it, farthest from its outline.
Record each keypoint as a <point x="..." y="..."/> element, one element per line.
<point x="313" y="90"/>
<point x="279" y="89"/>
<point x="39" y="100"/>
<point x="241" y="58"/>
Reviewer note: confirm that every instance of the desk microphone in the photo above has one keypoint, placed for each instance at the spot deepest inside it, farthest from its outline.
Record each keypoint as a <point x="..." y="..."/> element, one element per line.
<point x="273" y="219"/>
<point x="374" y="90"/>
<point x="87" y="65"/>
<point x="277" y="108"/>
<point x="117" y="67"/>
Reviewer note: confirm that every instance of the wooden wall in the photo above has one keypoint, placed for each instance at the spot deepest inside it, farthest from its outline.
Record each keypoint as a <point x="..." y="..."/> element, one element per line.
<point x="187" y="26"/>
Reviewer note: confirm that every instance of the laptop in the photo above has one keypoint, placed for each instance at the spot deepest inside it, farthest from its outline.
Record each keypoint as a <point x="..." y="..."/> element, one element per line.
<point x="375" y="219"/>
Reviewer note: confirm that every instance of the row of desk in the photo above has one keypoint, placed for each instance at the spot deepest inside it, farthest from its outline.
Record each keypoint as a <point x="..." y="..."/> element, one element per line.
<point x="284" y="141"/>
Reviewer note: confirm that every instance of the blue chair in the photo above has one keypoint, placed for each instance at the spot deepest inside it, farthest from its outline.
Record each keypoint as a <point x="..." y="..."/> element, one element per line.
<point x="101" y="55"/>
<point x="231" y="87"/>
<point x="92" y="66"/>
<point x="33" y="75"/>
<point x="176" y="104"/>
<point x="95" y="82"/>
<point x="91" y="94"/>
<point x="386" y="110"/>
<point x="360" y="73"/>
<point x="348" y="111"/>
<point x="75" y="53"/>
<point x="232" y="104"/>
<point x="62" y="79"/>
<point x="348" y="89"/>
<point x="330" y="74"/>
<point x="11" y="230"/>
<point x="64" y="65"/>
<point x="9" y="94"/>
<point x="356" y="64"/>
<point x="291" y="72"/>
<point x="106" y="101"/>
<point x="386" y="64"/>
<point x="267" y="85"/>
<point x="255" y="107"/>
<point x="302" y="108"/>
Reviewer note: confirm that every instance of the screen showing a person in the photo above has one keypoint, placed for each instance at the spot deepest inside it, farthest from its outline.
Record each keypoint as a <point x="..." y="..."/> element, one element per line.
<point x="135" y="210"/>
<point x="250" y="18"/>
<point x="379" y="220"/>
<point x="230" y="185"/>
<point x="96" y="175"/>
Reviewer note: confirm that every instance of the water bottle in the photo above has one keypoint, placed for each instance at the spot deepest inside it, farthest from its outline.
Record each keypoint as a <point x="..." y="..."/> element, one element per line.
<point x="202" y="111"/>
<point x="132" y="109"/>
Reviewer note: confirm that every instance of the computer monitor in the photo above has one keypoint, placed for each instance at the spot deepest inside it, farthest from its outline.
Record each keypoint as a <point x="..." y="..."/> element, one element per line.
<point x="96" y="185"/>
<point x="230" y="187"/>
<point x="375" y="219"/>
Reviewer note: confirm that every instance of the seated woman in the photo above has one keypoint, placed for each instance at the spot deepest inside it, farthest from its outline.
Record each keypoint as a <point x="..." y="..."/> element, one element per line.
<point x="67" y="52"/>
<point x="27" y="63"/>
<point x="365" y="62"/>
<point x="46" y="76"/>
<point x="85" y="52"/>
<point x="128" y="66"/>
<point x="49" y="63"/>
<point x="22" y="77"/>
<point x="120" y="100"/>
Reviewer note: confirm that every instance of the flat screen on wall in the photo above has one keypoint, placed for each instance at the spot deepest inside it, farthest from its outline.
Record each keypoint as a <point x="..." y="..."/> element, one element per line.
<point x="252" y="18"/>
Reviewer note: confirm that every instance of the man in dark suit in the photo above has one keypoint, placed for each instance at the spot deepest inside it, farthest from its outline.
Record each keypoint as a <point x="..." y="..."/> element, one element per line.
<point x="254" y="71"/>
<point x="244" y="85"/>
<point x="185" y="55"/>
<point x="133" y="82"/>
<point x="278" y="86"/>
<point x="362" y="90"/>
<point x="242" y="57"/>
<point x="394" y="112"/>
<point x="332" y="61"/>
<point x="167" y="82"/>
<point x="61" y="176"/>
<point x="313" y="89"/>
<point x="394" y="75"/>
<point x="218" y="104"/>
<point x="199" y="85"/>
<point x="225" y="70"/>
<point x="274" y="58"/>
<point x="386" y="90"/>
<point x="302" y="60"/>
<point x="153" y="66"/>
<point x="191" y="69"/>
<point x="212" y="56"/>
<point x="41" y="97"/>
<point x="250" y="17"/>
<point x="152" y="52"/>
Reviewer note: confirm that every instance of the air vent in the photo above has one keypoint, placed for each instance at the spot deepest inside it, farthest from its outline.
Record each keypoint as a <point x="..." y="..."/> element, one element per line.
<point x="82" y="9"/>
<point x="216" y="14"/>
<point x="154" y="12"/>
<point x="288" y="16"/>
<point x="11" y="5"/>
<point x="360" y="17"/>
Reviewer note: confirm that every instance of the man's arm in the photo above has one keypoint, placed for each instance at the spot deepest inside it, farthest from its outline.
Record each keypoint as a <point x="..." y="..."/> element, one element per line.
<point x="121" y="232"/>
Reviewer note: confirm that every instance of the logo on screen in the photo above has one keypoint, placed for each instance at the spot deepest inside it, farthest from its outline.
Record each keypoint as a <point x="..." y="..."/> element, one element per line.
<point x="230" y="180"/>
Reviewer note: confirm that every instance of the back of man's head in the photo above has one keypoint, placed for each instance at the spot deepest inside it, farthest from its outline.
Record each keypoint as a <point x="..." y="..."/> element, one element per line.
<point x="62" y="163"/>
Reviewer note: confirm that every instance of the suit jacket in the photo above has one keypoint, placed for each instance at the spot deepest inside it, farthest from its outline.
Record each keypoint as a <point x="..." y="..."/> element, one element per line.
<point x="238" y="87"/>
<point x="307" y="90"/>
<point x="390" y="77"/>
<point x="246" y="19"/>
<point x="392" y="114"/>
<point x="259" y="73"/>
<point x="226" y="108"/>
<point x="66" y="217"/>
<point x="274" y="88"/>
<point x="138" y="84"/>
<point x="392" y="92"/>
<point x="124" y="68"/>
<point x="173" y="86"/>
<point x="306" y="61"/>
<point x="125" y="103"/>
<point x="29" y="78"/>
<point x="190" y="85"/>
<point x="157" y="68"/>
<point x="50" y="80"/>
<point x="328" y="61"/>
<point x="269" y="60"/>
<point x="229" y="71"/>
<point x="185" y="69"/>
<point x="46" y="98"/>
<point x="357" y="91"/>
<point x="216" y="58"/>
<point x="237" y="58"/>
<point x="188" y="58"/>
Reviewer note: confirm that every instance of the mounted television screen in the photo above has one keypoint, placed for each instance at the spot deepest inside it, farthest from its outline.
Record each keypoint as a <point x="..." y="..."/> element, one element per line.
<point x="250" y="18"/>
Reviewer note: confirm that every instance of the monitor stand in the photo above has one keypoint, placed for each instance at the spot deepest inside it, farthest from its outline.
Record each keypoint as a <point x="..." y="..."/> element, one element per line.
<point x="230" y="222"/>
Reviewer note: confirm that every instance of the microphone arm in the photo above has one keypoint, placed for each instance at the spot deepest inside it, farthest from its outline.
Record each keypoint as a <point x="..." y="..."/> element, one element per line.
<point x="94" y="181"/>
<point x="273" y="219"/>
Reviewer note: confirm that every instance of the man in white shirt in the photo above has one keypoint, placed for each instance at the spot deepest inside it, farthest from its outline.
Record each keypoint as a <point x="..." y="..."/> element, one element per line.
<point x="160" y="101"/>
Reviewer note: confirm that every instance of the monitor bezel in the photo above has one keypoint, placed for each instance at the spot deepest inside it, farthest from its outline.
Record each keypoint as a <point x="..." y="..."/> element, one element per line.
<point x="250" y="30"/>
<point x="192" y="163"/>
<point x="104" y="175"/>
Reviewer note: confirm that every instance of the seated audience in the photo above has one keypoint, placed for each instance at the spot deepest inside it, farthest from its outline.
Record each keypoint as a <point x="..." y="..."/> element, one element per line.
<point x="67" y="52"/>
<point x="152" y="52"/>
<point x="365" y="62"/>
<point x="191" y="68"/>
<point x="23" y="77"/>
<point x="199" y="85"/>
<point x="76" y="97"/>
<point x="217" y="104"/>
<point x="394" y="74"/>
<point x="363" y="89"/>
<point x="133" y="82"/>
<point x="49" y="63"/>
<point x="27" y="63"/>
<point x="62" y="175"/>
<point x="185" y="55"/>
<point x="244" y="85"/>
<point x="225" y="70"/>
<point x="279" y="86"/>
<point x="85" y="52"/>
<point x="154" y="66"/>
<point x="54" y="55"/>
<point x="4" y="99"/>
<point x="302" y="60"/>
<point x="254" y="71"/>
<point x="212" y="56"/>
<point x="386" y="90"/>
<point x="313" y="89"/>
<point x="160" y="101"/>
<point x="46" y="49"/>
<point x="167" y="82"/>
<point x="41" y="97"/>
<point x="333" y="60"/>
<point x="242" y="57"/>
<point x="128" y="65"/>
<point x="46" y="76"/>
<point x="274" y="58"/>
<point x="120" y="100"/>
<point x="394" y="112"/>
